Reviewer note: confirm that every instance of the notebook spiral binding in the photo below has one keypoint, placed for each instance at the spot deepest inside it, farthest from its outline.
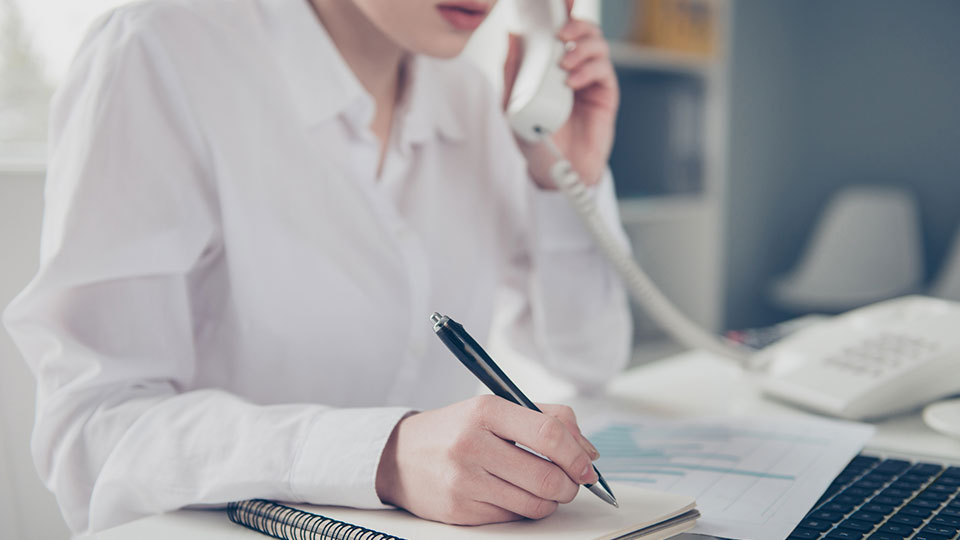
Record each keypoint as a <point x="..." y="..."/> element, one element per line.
<point x="288" y="523"/>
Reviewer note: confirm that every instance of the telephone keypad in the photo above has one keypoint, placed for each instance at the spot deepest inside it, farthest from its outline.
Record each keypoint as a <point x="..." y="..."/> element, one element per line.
<point x="877" y="356"/>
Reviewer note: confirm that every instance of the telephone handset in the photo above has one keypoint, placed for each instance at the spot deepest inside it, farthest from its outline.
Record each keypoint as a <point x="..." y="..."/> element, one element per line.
<point x="879" y="360"/>
<point x="540" y="101"/>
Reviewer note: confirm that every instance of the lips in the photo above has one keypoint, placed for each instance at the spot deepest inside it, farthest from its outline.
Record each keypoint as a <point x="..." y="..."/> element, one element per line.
<point x="465" y="16"/>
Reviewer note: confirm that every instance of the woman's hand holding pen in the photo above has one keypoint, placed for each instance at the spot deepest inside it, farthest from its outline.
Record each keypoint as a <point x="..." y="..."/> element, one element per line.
<point x="459" y="464"/>
<point x="587" y="137"/>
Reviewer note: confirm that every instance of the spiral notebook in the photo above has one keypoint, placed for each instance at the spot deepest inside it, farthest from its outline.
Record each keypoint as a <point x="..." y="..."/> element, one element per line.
<point x="642" y="514"/>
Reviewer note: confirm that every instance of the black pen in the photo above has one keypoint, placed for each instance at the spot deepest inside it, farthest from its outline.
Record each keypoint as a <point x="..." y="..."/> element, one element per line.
<point x="472" y="355"/>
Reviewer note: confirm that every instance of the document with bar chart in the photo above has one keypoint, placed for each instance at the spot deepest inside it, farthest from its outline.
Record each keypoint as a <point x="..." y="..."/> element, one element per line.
<point x="752" y="478"/>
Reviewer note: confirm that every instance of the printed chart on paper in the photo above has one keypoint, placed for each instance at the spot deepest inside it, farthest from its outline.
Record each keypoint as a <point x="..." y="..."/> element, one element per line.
<point x="752" y="478"/>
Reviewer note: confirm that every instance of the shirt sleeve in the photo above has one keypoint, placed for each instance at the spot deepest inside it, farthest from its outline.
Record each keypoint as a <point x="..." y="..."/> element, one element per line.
<point x="108" y="324"/>
<point x="562" y="303"/>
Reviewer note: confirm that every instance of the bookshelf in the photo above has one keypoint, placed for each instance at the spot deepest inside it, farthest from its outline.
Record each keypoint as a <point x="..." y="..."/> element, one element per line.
<point x="635" y="56"/>
<point x="639" y="210"/>
<point x="676" y="232"/>
<point x="669" y="162"/>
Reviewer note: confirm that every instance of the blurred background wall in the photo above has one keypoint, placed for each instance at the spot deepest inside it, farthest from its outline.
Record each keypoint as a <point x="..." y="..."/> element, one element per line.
<point x="825" y="94"/>
<point x="27" y="509"/>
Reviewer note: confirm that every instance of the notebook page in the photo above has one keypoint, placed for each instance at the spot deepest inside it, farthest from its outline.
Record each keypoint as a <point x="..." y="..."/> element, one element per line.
<point x="585" y="518"/>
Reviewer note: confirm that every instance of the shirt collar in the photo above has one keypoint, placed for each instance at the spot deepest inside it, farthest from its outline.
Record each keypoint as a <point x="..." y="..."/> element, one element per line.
<point x="323" y="85"/>
<point x="427" y="109"/>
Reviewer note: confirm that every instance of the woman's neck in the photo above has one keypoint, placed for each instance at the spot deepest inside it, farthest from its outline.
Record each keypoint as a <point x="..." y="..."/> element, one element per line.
<point x="373" y="57"/>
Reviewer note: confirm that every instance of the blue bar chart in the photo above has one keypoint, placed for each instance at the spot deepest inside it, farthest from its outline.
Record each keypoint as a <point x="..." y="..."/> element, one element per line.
<point x="752" y="478"/>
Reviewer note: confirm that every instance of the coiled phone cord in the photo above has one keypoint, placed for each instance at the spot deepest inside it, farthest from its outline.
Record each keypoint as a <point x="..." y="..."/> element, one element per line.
<point x="660" y="309"/>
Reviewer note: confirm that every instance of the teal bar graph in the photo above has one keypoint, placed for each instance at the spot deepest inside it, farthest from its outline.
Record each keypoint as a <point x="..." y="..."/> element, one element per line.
<point x="638" y="450"/>
<point x="751" y="477"/>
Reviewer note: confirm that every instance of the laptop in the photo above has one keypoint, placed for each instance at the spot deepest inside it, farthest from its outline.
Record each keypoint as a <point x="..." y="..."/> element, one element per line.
<point x="884" y="498"/>
<point x="887" y="498"/>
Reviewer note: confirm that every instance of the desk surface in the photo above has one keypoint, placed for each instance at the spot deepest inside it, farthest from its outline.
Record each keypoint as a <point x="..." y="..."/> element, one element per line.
<point x="698" y="384"/>
<point x="692" y="384"/>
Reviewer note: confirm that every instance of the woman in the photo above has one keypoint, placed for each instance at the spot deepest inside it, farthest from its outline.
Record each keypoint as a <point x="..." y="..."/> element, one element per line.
<point x="252" y="208"/>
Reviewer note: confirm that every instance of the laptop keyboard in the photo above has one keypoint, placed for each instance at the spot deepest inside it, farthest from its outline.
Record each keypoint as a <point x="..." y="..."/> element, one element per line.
<point x="887" y="499"/>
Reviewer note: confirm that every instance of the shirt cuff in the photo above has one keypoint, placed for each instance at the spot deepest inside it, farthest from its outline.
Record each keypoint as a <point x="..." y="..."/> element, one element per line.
<point x="557" y="225"/>
<point x="337" y="463"/>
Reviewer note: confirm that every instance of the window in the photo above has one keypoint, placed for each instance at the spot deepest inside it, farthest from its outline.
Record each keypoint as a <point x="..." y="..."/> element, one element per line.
<point x="37" y="41"/>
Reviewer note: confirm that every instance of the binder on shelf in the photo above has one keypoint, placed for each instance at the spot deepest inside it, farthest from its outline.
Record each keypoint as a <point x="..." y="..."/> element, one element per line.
<point x="659" y="143"/>
<point x="679" y="25"/>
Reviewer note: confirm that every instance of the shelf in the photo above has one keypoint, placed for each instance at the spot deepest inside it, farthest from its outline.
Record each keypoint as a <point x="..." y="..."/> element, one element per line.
<point x="10" y="168"/>
<point x="663" y="208"/>
<point x="635" y="56"/>
<point x="22" y="157"/>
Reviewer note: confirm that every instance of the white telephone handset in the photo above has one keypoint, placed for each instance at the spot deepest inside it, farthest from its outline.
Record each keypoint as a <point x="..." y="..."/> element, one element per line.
<point x="872" y="362"/>
<point x="540" y="102"/>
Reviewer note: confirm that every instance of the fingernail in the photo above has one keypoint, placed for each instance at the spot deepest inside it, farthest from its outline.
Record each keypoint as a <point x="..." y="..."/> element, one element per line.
<point x="588" y="476"/>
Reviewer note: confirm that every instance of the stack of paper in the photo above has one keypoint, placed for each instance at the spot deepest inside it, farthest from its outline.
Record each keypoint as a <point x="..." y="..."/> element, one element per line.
<point x="752" y="478"/>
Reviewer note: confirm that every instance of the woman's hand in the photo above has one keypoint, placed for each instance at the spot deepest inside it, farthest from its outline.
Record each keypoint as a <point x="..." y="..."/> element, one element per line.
<point x="459" y="464"/>
<point x="587" y="137"/>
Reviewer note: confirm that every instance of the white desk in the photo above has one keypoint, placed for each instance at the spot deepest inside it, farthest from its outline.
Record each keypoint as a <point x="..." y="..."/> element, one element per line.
<point x="688" y="385"/>
<point x="698" y="384"/>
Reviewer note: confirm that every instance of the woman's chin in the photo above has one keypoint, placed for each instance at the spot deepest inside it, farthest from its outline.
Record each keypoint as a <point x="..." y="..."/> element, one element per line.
<point x="445" y="46"/>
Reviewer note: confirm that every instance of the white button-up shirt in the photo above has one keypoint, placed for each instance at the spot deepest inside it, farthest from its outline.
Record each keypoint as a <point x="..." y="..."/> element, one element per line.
<point x="232" y="304"/>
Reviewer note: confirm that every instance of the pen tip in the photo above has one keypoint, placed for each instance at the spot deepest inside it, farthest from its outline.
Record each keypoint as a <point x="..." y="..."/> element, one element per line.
<point x="604" y="493"/>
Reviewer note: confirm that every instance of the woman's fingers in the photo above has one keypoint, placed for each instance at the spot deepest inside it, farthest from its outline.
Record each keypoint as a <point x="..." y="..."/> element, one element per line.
<point x="531" y="473"/>
<point x="543" y="434"/>
<point x="491" y="513"/>
<point x="566" y="415"/>
<point x="512" y="499"/>
<point x="472" y="511"/>
<point x="588" y="49"/>
<point x="595" y="71"/>
<point x="578" y="29"/>
<point x="587" y="62"/>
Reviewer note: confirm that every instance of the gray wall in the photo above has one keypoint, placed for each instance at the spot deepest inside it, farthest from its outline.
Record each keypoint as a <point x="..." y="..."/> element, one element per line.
<point x="826" y="93"/>
<point x="27" y="510"/>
